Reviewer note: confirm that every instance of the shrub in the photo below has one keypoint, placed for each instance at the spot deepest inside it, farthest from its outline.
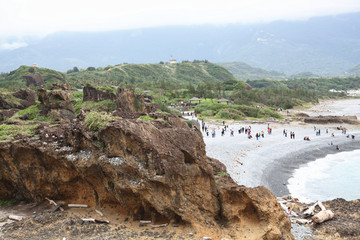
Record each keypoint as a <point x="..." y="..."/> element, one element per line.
<point x="146" y="118"/>
<point x="207" y="113"/>
<point x="229" y="114"/>
<point x="97" y="120"/>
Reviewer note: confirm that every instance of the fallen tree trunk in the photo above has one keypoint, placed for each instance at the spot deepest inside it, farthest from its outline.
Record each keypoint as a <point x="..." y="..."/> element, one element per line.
<point x="323" y="216"/>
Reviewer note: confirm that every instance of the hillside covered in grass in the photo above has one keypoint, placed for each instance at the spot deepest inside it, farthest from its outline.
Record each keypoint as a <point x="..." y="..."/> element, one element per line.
<point x="243" y="72"/>
<point x="14" y="80"/>
<point x="196" y="72"/>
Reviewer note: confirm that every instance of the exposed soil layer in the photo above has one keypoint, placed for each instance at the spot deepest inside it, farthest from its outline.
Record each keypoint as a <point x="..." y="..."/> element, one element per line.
<point x="153" y="170"/>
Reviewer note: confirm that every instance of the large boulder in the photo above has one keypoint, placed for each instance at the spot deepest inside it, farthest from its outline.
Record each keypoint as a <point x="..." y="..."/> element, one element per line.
<point x="127" y="102"/>
<point x="94" y="94"/>
<point x="57" y="102"/>
<point x="27" y="97"/>
<point x="34" y="79"/>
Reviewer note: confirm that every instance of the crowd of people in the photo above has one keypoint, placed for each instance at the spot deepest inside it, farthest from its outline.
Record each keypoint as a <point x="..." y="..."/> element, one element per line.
<point x="247" y="130"/>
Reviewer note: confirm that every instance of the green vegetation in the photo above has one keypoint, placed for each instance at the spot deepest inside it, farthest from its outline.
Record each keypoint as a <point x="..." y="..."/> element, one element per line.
<point x="173" y="83"/>
<point x="146" y="118"/>
<point x="7" y="132"/>
<point x="31" y="114"/>
<point x="14" y="80"/>
<point x="112" y="90"/>
<point x="243" y="72"/>
<point x="7" y="202"/>
<point x="165" y="76"/>
<point x="94" y="121"/>
<point x="223" y="174"/>
<point x="322" y="85"/>
<point x="102" y="106"/>
<point x="237" y="112"/>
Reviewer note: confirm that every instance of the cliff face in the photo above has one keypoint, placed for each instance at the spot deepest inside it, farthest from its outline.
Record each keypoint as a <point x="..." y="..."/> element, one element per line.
<point x="155" y="170"/>
<point x="152" y="169"/>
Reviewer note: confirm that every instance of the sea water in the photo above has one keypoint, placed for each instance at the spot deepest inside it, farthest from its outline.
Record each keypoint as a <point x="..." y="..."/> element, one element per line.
<point x="334" y="176"/>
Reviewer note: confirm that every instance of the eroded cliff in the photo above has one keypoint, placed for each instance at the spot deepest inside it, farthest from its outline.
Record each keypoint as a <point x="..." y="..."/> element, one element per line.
<point x="156" y="170"/>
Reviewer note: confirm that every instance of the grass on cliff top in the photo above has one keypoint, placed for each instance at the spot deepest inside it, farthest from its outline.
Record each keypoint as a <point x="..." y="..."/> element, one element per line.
<point x="8" y="132"/>
<point x="32" y="114"/>
<point x="8" y="97"/>
<point x="94" y="121"/>
<point x="103" y="106"/>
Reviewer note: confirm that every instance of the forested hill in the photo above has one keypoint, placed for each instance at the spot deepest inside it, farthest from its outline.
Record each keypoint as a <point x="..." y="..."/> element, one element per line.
<point x="124" y="75"/>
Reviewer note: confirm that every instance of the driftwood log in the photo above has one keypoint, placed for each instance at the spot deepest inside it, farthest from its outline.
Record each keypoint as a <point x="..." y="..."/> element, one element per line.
<point x="320" y="217"/>
<point x="93" y="220"/>
<point x="323" y="216"/>
<point x="73" y="205"/>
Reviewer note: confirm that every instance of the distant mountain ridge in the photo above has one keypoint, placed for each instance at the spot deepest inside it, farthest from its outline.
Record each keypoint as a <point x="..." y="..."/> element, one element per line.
<point x="323" y="45"/>
<point x="244" y="72"/>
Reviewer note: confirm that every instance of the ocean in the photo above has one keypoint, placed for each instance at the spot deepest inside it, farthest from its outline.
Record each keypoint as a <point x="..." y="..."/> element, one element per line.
<point x="334" y="176"/>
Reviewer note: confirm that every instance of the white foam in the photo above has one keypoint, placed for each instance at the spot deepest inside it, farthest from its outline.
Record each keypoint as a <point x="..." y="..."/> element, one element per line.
<point x="335" y="175"/>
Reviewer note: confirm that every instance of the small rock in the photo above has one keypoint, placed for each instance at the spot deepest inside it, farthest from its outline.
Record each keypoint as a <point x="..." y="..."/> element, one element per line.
<point x="70" y="222"/>
<point x="175" y="225"/>
<point x="79" y="221"/>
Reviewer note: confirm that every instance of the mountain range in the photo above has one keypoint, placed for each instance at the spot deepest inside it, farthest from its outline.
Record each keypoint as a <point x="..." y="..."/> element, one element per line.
<point x="323" y="45"/>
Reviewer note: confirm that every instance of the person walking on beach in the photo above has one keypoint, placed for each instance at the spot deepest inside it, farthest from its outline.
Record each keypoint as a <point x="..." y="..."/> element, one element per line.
<point x="207" y="132"/>
<point x="262" y="134"/>
<point x="213" y="133"/>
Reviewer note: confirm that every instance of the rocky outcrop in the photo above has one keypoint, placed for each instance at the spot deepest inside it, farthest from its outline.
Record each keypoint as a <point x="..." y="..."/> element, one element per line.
<point x="152" y="170"/>
<point x="20" y="99"/>
<point x="10" y="103"/>
<point x="57" y="102"/>
<point x="34" y="79"/>
<point x="332" y="119"/>
<point x="27" y="97"/>
<point x="93" y="94"/>
<point x="129" y="102"/>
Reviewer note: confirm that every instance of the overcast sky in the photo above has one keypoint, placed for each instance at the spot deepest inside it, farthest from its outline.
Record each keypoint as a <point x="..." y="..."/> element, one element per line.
<point x="40" y="17"/>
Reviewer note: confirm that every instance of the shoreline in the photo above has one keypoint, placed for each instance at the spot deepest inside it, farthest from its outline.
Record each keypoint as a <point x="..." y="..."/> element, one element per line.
<point x="284" y="167"/>
<point x="272" y="160"/>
